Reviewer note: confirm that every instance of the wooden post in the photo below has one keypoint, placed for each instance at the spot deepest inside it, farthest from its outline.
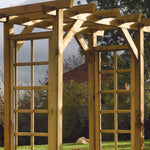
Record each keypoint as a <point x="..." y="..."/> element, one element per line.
<point x="91" y="84"/>
<point x="56" y="84"/>
<point x="137" y="96"/>
<point x="8" y="30"/>
<point x="139" y="91"/>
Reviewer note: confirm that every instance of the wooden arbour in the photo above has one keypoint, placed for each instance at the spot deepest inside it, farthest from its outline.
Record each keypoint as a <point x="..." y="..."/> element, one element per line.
<point x="58" y="17"/>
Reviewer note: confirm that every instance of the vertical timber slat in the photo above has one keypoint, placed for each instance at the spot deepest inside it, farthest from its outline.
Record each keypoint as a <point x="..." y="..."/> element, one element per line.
<point x="16" y="97"/>
<point x="115" y="101"/>
<point x="8" y="30"/>
<point x="55" y="84"/>
<point x="32" y="95"/>
<point x="12" y="123"/>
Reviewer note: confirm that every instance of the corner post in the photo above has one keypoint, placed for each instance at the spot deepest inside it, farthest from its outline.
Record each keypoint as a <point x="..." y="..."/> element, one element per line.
<point x="139" y="90"/>
<point x="8" y="30"/>
<point x="91" y="84"/>
<point x="56" y="84"/>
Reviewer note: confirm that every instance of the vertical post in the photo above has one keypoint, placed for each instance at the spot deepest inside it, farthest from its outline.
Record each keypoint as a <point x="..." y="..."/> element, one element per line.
<point x="8" y="30"/>
<point x="133" y="98"/>
<point x="91" y="84"/>
<point x="137" y="94"/>
<point x="56" y="84"/>
<point x="139" y="90"/>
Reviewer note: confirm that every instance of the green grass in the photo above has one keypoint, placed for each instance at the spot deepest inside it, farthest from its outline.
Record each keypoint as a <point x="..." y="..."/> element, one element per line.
<point x="123" y="145"/>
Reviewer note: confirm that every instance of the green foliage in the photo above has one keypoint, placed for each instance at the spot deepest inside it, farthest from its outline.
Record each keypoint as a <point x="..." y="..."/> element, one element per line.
<point x="75" y="95"/>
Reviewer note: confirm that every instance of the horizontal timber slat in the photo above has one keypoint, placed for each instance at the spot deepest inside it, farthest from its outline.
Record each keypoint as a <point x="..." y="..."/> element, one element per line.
<point x="114" y="111"/>
<point x="107" y="131"/>
<point x="40" y="111"/>
<point x="31" y="63"/>
<point x="124" y="131"/>
<point x="113" y="91"/>
<point x="31" y="134"/>
<point x="30" y="36"/>
<point x="31" y="87"/>
<point x="117" y="71"/>
<point x="115" y="131"/>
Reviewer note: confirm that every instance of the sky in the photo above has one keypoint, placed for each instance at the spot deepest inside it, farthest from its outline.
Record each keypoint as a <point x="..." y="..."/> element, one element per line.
<point x="72" y="48"/>
<point x="10" y="3"/>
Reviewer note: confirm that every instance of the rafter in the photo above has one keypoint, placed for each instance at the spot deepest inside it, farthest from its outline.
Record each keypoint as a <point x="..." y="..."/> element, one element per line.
<point x="70" y="34"/>
<point x="130" y="41"/>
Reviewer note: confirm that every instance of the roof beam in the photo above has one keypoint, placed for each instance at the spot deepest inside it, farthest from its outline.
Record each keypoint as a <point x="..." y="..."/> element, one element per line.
<point x="130" y="41"/>
<point x="29" y="17"/>
<point x="29" y="36"/>
<point x="130" y="18"/>
<point x="146" y="22"/>
<point x="80" y="9"/>
<point x="107" y="13"/>
<point x="71" y="33"/>
<point x="112" y="47"/>
<point x="98" y="26"/>
<point x="75" y="10"/>
<point x="38" y="7"/>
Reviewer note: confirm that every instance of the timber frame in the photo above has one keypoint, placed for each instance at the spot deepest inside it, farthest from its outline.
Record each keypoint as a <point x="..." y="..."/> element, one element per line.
<point x="58" y="17"/>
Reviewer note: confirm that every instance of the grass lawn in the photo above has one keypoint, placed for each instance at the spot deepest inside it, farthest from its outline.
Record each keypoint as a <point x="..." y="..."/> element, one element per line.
<point x="123" y="145"/>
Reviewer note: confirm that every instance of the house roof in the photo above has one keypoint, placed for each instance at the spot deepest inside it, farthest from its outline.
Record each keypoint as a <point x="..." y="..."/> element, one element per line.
<point x="80" y="74"/>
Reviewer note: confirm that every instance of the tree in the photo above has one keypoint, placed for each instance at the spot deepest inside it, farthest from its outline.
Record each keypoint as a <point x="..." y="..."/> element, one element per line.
<point x="74" y="95"/>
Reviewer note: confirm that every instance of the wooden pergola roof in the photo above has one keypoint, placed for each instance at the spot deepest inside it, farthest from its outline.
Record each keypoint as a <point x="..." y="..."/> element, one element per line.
<point x="41" y="15"/>
<point x="81" y="19"/>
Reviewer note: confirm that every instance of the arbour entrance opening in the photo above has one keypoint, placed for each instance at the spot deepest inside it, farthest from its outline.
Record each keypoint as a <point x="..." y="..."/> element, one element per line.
<point x="105" y="99"/>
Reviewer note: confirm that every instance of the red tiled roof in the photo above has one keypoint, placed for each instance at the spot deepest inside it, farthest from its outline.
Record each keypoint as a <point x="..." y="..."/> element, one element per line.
<point x="79" y="74"/>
